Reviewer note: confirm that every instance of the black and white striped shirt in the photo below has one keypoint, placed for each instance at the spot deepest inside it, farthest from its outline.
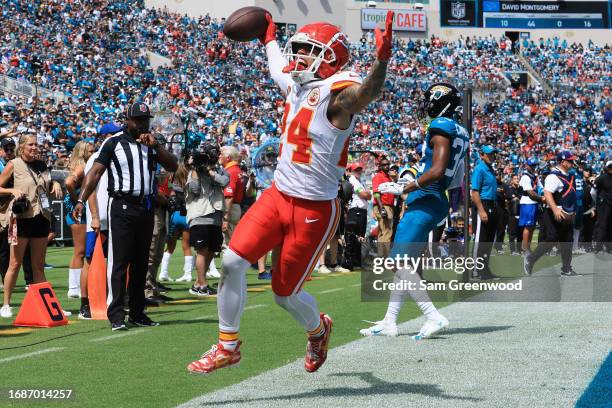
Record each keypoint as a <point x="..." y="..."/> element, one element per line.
<point x="130" y="166"/>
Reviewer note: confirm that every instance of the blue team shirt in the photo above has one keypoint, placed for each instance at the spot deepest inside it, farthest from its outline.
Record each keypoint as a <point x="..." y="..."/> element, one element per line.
<point x="579" y="186"/>
<point x="460" y="141"/>
<point x="483" y="181"/>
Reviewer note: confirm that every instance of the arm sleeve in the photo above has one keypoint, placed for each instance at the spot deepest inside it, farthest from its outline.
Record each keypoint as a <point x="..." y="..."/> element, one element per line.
<point x="276" y="63"/>
<point x="193" y="186"/>
<point x="231" y="187"/>
<point x="551" y="184"/>
<point x="525" y="183"/>
<point x="356" y="185"/>
<point x="221" y="178"/>
<point x="106" y="153"/>
<point x="375" y="184"/>
<point x="476" y="180"/>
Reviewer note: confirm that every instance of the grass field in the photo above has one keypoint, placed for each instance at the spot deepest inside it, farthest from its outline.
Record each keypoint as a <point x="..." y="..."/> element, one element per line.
<point x="146" y="366"/>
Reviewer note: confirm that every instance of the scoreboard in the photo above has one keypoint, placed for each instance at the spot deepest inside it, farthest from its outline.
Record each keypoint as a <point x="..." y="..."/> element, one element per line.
<point x="526" y="14"/>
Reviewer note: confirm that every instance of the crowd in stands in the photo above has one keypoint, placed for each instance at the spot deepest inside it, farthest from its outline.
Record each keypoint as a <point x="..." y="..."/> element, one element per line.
<point x="93" y="53"/>
<point x="572" y="65"/>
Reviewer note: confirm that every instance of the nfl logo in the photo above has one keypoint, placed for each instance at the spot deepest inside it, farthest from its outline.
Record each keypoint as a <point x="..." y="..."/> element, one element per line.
<point x="458" y="10"/>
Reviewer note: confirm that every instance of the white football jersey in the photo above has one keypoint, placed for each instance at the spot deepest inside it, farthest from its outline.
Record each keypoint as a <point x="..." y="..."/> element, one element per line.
<point x="313" y="152"/>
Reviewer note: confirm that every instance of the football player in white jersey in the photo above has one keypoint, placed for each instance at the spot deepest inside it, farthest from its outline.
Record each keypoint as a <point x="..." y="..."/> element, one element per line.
<point x="299" y="213"/>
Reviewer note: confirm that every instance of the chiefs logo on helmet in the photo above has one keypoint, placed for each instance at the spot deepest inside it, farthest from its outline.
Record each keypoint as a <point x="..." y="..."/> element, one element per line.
<point x="316" y="51"/>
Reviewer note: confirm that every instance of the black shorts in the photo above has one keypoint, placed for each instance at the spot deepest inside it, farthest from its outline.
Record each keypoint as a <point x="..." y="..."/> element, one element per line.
<point x="37" y="227"/>
<point x="206" y="236"/>
<point x="357" y="220"/>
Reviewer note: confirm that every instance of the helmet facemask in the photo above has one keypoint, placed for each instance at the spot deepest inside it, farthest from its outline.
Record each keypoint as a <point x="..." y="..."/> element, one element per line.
<point x="317" y="51"/>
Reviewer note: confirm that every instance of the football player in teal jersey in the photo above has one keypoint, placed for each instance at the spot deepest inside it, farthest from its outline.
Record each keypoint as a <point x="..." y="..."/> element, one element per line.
<point x="441" y="168"/>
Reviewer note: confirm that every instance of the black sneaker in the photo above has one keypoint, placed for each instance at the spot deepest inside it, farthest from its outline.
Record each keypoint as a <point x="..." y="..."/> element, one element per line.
<point x="208" y="290"/>
<point x="569" y="272"/>
<point x="85" y="313"/>
<point x="163" y="288"/>
<point x="118" y="325"/>
<point x="143" y="321"/>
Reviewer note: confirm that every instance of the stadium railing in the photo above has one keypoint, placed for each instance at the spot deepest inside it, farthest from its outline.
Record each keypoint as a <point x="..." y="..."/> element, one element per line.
<point x="27" y="89"/>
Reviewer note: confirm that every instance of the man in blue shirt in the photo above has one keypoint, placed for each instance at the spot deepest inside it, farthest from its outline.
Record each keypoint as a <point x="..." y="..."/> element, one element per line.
<point x="484" y="194"/>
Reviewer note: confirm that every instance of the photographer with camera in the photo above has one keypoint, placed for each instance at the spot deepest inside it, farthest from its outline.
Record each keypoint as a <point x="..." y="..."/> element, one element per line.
<point x="30" y="222"/>
<point x="177" y="226"/>
<point x="206" y="206"/>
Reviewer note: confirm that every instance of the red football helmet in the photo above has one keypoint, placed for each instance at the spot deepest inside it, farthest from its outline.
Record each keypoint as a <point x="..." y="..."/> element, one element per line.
<point x="329" y="48"/>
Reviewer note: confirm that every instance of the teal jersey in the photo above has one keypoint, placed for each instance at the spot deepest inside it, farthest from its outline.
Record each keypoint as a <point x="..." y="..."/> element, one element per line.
<point x="460" y="142"/>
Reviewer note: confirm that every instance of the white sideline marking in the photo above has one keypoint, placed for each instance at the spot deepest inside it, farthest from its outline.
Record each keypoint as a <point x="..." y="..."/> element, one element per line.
<point x="116" y="336"/>
<point x="32" y="354"/>
<point x="254" y="307"/>
<point x="330" y="291"/>
<point x="356" y="285"/>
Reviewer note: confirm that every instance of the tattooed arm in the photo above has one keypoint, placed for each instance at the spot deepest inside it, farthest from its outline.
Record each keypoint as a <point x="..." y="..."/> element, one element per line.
<point x="356" y="98"/>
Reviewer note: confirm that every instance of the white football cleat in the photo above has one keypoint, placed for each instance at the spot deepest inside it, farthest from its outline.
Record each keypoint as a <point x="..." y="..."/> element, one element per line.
<point x="431" y="327"/>
<point x="381" y="328"/>
<point x="165" y="278"/>
<point x="324" y="270"/>
<point x="185" y="278"/>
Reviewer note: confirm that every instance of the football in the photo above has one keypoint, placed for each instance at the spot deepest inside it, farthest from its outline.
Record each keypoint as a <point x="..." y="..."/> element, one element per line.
<point x="246" y="24"/>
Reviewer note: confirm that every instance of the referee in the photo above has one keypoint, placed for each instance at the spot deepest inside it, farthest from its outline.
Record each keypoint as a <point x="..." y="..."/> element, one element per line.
<point x="131" y="157"/>
<point x="484" y="196"/>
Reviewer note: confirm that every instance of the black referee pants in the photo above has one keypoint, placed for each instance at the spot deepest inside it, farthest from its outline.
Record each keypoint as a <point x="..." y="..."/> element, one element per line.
<point x="484" y="235"/>
<point x="561" y="232"/>
<point x="603" y="227"/>
<point x="130" y="228"/>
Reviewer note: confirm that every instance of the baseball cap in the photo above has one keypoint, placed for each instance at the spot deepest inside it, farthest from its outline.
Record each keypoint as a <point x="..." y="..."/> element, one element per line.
<point x="109" y="128"/>
<point x="532" y="162"/>
<point x="7" y="142"/>
<point x="488" y="149"/>
<point x="138" y="110"/>
<point x="566" y="155"/>
<point x="355" y="166"/>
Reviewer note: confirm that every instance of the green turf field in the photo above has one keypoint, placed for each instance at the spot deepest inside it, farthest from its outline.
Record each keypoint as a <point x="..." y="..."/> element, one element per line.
<point x="146" y="366"/>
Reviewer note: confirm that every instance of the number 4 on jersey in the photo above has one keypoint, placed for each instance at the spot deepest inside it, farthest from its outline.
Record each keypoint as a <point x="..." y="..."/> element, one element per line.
<point x="298" y="134"/>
